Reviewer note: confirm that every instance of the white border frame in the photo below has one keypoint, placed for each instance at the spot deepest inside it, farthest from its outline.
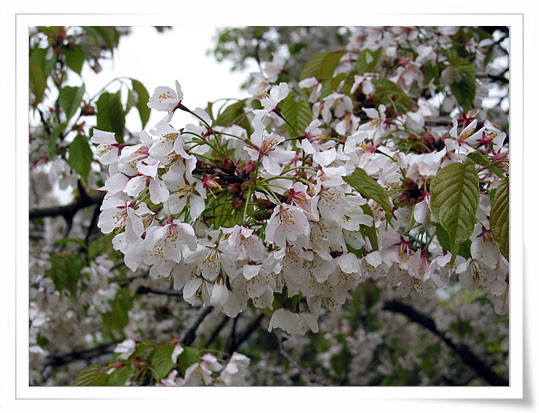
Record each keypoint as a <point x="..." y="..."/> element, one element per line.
<point x="516" y="389"/>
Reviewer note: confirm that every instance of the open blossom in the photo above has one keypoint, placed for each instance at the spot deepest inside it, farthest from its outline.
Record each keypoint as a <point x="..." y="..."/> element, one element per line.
<point x="266" y="148"/>
<point x="108" y="148"/>
<point x="165" y="98"/>
<point x="288" y="223"/>
<point x="277" y="94"/>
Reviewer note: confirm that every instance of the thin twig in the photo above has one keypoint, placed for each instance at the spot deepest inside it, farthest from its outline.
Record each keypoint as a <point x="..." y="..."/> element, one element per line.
<point x="312" y="377"/>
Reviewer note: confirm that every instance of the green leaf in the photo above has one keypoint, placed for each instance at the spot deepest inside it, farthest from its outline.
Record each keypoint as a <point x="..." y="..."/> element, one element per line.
<point x="232" y="114"/>
<point x="464" y="86"/>
<point x="367" y="61"/>
<point x="117" y="116"/>
<point x="65" y="272"/>
<point x="53" y="138"/>
<point x="297" y="113"/>
<point x="142" y="97"/>
<point x="40" y="56"/>
<point x="370" y="232"/>
<point x="119" y="376"/>
<point x="110" y="115"/>
<point x="482" y="160"/>
<point x="89" y="376"/>
<point x="454" y="201"/>
<point x="143" y="349"/>
<point x="369" y="188"/>
<point x="499" y="217"/>
<point x="162" y="360"/>
<point x="75" y="59"/>
<point x="392" y="95"/>
<point x="81" y="156"/>
<point x="70" y="99"/>
<point x="321" y="66"/>
<point x="37" y="80"/>
<point x="188" y="357"/>
<point x="117" y="318"/>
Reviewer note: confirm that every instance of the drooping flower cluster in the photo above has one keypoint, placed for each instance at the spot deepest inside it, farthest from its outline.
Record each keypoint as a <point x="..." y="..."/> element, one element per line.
<point x="260" y="213"/>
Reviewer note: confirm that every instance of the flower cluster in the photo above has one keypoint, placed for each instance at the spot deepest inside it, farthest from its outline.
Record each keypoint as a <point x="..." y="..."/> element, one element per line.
<point x="253" y="211"/>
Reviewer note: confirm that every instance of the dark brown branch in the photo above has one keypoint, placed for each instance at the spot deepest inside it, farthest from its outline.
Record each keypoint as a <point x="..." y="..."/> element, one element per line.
<point x="189" y="334"/>
<point x="67" y="211"/>
<point x="216" y="332"/>
<point x="148" y="290"/>
<point x="60" y="360"/>
<point x="312" y="377"/>
<point x="463" y="351"/>
<point x="247" y="333"/>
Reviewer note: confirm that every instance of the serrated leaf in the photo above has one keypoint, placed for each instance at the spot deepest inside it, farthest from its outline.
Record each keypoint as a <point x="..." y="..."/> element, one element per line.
<point x="454" y="201"/>
<point x="464" y="86"/>
<point x="53" y="139"/>
<point x="89" y="376"/>
<point x="482" y="160"/>
<point x="499" y="217"/>
<point x="119" y="376"/>
<point x="81" y="156"/>
<point x="392" y="95"/>
<point x="188" y="357"/>
<point x="370" y="232"/>
<point x="369" y="188"/>
<point x="37" y="80"/>
<point x="297" y="113"/>
<point x="321" y="66"/>
<point x="115" y="320"/>
<point x="40" y="56"/>
<point x="65" y="273"/>
<point x="142" y="97"/>
<point x="162" y="360"/>
<point x="70" y="99"/>
<point x="368" y="60"/>
<point x="142" y="349"/>
<point x="75" y="59"/>
<point x="117" y="116"/>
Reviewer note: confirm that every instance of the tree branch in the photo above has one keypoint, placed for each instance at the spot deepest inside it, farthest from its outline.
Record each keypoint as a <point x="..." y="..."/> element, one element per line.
<point x="189" y="334"/>
<point x="148" y="290"/>
<point x="67" y="211"/>
<point x="462" y="350"/>
<point x="312" y="377"/>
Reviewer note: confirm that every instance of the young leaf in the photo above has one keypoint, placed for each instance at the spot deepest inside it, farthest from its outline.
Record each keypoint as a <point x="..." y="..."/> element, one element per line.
<point x="162" y="360"/>
<point x="89" y="376"/>
<point x="499" y="217"/>
<point x="70" y="98"/>
<point x="37" y="80"/>
<point x="367" y="61"/>
<point x="321" y="66"/>
<point x="482" y="160"/>
<point x="75" y="59"/>
<point x="369" y="188"/>
<point x="454" y="201"/>
<point x="119" y="376"/>
<point x="464" y="86"/>
<point x="142" y="101"/>
<point x="188" y="357"/>
<point x="65" y="273"/>
<point x="297" y="114"/>
<point x="81" y="156"/>
<point x="117" y="116"/>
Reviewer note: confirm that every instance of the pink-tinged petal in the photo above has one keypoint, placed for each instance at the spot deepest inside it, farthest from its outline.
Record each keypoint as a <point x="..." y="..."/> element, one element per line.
<point x="116" y="183"/>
